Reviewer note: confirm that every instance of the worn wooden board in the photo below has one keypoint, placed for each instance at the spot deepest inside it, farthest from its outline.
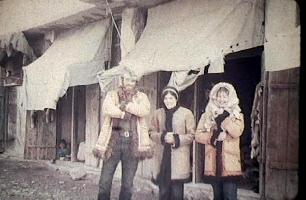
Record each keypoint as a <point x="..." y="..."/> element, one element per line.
<point x="11" y="114"/>
<point x="282" y="135"/>
<point x="293" y="136"/>
<point x="92" y="122"/>
<point x="148" y="85"/>
<point x="2" y="117"/>
<point x="80" y="112"/>
<point x="40" y="141"/>
<point x="64" y="110"/>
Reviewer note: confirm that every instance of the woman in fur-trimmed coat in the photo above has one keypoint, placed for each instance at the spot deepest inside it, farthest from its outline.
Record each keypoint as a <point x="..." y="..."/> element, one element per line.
<point x="219" y="128"/>
<point x="172" y="130"/>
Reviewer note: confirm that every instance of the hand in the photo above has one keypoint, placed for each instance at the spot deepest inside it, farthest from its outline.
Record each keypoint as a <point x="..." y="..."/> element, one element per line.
<point x="221" y="136"/>
<point x="169" y="138"/>
<point x="97" y="153"/>
<point x="213" y="128"/>
<point x="226" y="123"/>
<point x="122" y="105"/>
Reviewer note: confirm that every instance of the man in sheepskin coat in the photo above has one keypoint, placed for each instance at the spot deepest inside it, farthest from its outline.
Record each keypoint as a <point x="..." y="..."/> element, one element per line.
<point x="124" y="136"/>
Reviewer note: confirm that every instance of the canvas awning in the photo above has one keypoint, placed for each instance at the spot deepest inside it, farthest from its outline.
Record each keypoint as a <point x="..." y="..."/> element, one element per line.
<point x="190" y="34"/>
<point x="73" y="59"/>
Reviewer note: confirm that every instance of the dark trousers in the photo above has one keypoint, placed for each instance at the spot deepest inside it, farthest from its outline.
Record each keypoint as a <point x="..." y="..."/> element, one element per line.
<point x="175" y="191"/>
<point x="224" y="190"/>
<point x="129" y="166"/>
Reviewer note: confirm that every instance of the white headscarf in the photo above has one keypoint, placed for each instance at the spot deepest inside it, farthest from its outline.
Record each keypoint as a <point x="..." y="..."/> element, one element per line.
<point x="213" y="109"/>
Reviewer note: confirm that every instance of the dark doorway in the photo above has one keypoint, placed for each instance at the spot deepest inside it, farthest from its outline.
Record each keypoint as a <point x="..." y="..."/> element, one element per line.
<point x="244" y="73"/>
<point x="71" y="115"/>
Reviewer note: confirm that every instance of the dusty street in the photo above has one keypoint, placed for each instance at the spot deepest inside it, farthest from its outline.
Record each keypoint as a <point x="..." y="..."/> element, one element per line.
<point x="33" y="180"/>
<point x="20" y="180"/>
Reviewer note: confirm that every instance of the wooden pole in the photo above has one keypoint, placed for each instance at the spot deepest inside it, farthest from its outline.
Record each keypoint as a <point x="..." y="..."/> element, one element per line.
<point x="262" y="164"/>
<point x="73" y="132"/>
<point x="194" y="143"/>
<point x="6" y="103"/>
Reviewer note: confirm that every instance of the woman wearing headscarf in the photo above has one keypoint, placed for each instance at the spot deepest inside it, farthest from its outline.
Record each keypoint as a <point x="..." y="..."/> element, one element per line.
<point x="219" y="128"/>
<point x="172" y="130"/>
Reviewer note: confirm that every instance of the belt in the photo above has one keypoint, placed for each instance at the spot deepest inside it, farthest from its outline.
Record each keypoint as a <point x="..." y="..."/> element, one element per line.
<point x="124" y="134"/>
<point x="121" y="132"/>
<point x="116" y="128"/>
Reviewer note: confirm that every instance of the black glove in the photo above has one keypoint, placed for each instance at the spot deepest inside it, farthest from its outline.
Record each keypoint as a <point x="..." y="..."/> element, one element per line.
<point x="177" y="141"/>
<point x="219" y="119"/>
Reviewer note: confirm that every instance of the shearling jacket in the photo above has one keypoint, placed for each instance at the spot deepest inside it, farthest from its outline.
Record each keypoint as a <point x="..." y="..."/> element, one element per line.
<point x="183" y="125"/>
<point x="230" y="149"/>
<point x="139" y="106"/>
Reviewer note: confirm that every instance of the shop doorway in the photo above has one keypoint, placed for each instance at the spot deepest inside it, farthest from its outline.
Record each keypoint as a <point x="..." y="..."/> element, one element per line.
<point x="71" y="119"/>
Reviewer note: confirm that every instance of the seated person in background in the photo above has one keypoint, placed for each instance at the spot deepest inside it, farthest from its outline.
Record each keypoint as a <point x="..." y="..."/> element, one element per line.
<point x="63" y="150"/>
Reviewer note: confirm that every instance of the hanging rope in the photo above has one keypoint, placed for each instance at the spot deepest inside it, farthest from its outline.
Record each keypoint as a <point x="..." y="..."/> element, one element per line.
<point x="114" y="22"/>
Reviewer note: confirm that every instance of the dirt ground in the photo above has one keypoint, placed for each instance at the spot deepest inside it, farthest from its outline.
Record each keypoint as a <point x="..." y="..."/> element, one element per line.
<point x="42" y="180"/>
<point x="23" y="180"/>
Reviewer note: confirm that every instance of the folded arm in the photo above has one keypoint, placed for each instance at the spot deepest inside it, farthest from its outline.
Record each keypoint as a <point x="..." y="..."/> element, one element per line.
<point x="140" y="106"/>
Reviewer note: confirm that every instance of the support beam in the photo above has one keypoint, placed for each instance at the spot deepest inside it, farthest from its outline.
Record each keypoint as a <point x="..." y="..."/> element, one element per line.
<point x="73" y="129"/>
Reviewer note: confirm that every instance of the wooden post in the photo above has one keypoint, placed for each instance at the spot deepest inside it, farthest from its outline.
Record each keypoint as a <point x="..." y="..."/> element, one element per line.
<point x="6" y="103"/>
<point x="195" y="91"/>
<point x="73" y="132"/>
<point x="262" y="164"/>
<point x="3" y="116"/>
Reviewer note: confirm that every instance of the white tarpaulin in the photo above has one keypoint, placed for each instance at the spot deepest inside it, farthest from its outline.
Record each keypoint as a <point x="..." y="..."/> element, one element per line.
<point x="73" y="59"/>
<point x="190" y="34"/>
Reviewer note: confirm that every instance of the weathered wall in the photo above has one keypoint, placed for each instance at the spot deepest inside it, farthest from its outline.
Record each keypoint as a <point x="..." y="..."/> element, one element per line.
<point x="148" y="84"/>
<point x="18" y="114"/>
<point x="282" y="35"/>
<point x="281" y="53"/>
<point x="12" y="113"/>
<point x="16" y="122"/>
<point x="92" y="123"/>
<point x="19" y="15"/>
